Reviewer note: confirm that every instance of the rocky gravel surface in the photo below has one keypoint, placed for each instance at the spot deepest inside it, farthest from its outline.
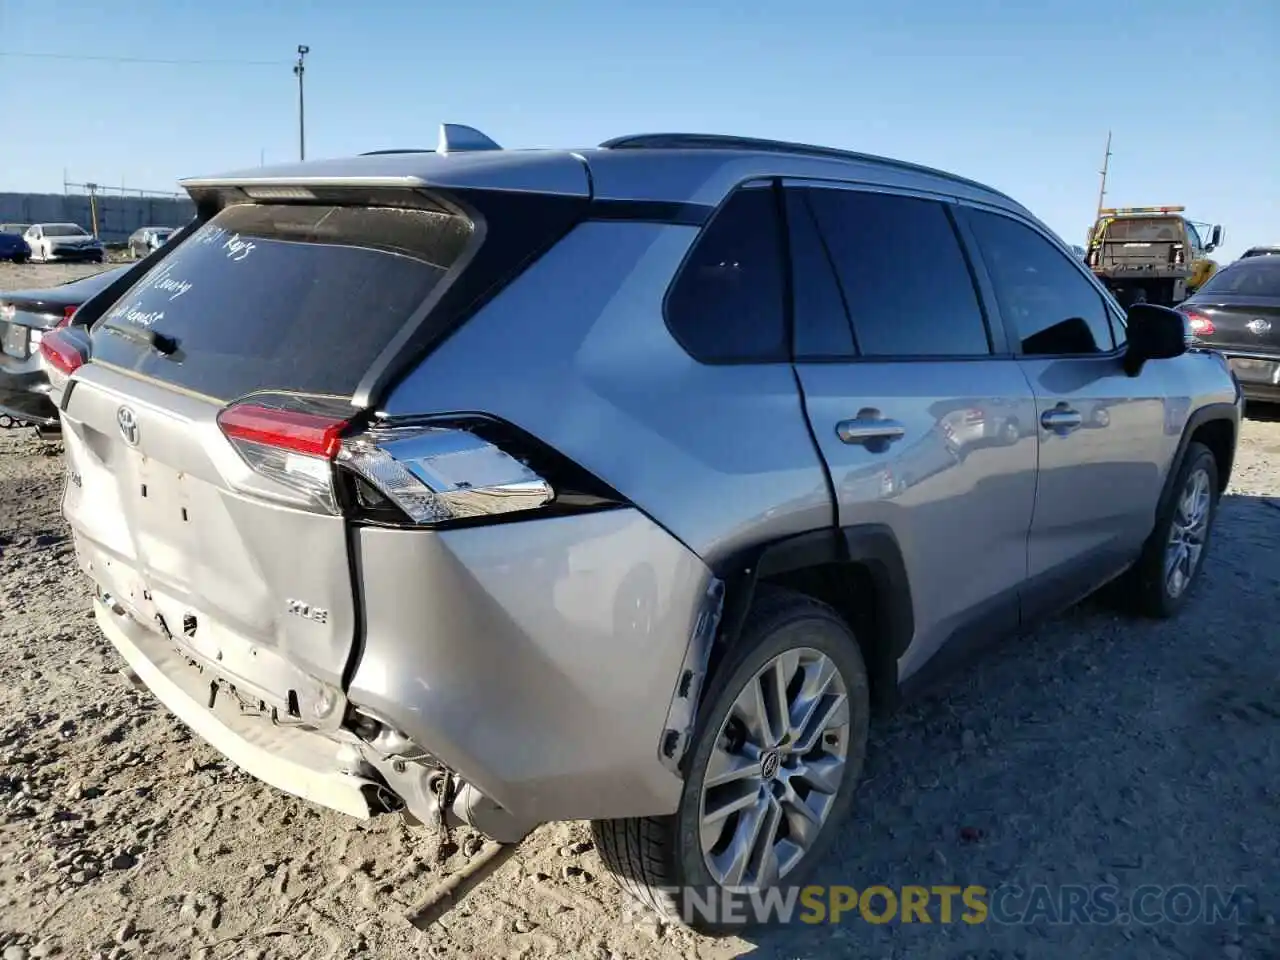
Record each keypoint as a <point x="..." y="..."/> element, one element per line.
<point x="1098" y="751"/>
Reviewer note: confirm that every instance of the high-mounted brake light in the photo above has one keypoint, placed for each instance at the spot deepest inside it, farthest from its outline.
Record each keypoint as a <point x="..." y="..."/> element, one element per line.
<point x="61" y="352"/>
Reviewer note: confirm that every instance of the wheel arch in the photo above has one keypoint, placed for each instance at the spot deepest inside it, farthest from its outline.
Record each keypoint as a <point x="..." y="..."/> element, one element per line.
<point x="859" y="571"/>
<point x="1217" y="426"/>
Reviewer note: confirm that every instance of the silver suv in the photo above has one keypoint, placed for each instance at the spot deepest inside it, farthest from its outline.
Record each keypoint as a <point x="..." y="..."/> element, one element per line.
<point x="613" y="484"/>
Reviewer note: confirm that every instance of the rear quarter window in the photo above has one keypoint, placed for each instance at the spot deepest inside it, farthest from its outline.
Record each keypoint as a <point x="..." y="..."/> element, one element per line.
<point x="282" y="297"/>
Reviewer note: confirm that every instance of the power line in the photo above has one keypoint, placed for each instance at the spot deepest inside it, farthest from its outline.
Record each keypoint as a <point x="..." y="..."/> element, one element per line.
<point x="181" y="63"/>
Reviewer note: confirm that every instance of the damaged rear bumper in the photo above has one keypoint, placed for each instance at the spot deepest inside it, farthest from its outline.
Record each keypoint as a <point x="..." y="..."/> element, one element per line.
<point x="332" y="769"/>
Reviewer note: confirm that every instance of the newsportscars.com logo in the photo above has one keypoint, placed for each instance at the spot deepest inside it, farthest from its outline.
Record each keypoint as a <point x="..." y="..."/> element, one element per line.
<point x="945" y="904"/>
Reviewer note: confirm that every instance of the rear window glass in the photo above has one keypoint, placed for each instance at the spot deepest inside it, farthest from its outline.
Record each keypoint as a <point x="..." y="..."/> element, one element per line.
<point x="1258" y="277"/>
<point x="285" y="297"/>
<point x="1153" y="230"/>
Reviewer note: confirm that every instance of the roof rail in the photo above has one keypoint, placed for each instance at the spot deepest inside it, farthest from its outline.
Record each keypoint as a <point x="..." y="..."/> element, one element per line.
<point x="719" y="141"/>
<point x="458" y="138"/>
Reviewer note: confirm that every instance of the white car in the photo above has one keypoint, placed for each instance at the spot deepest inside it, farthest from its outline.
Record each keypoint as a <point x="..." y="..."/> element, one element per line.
<point x="63" y="241"/>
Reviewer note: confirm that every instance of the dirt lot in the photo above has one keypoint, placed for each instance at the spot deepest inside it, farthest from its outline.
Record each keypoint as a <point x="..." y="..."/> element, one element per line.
<point x="1097" y="751"/>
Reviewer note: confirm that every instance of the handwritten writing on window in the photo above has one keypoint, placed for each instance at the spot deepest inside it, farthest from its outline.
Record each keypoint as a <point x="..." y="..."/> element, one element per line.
<point x="237" y="248"/>
<point x="142" y="318"/>
<point x="162" y="279"/>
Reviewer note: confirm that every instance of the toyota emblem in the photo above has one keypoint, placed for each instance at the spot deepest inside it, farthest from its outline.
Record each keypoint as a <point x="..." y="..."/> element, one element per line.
<point x="1259" y="325"/>
<point x="128" y="423"/>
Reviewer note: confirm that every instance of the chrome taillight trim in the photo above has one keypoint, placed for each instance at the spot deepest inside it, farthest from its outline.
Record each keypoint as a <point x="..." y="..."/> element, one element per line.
<point x="441" y="473"/>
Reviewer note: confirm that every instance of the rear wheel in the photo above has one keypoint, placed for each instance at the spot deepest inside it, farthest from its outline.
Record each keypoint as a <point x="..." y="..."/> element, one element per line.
<point x="771" y="772"/>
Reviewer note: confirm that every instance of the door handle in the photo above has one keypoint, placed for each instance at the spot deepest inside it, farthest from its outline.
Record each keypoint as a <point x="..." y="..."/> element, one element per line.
<point x="1061" y="419"/>
<point x="870" y="431"/>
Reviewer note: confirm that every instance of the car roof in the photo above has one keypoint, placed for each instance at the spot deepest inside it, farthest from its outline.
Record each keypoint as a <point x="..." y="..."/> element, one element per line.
<point x="671" y="167"/>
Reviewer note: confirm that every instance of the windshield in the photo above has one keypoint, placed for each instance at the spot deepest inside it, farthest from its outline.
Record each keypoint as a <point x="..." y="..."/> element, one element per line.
<point x="1258" y="277"/>
<point x="64" y="230"/>
<point x="1145" y="230"/>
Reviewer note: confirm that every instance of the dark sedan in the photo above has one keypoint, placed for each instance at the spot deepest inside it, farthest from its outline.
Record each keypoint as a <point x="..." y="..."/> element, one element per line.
<point x="1237" y="312"/>
<point x="25" y="317"/>
<point x="13" y="247"/>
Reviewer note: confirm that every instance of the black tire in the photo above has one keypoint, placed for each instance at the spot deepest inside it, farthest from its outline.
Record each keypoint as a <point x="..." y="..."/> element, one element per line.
<point x="651" y="857"/>
<point x="1144" y="590"/>
<point x="20" y="259"/>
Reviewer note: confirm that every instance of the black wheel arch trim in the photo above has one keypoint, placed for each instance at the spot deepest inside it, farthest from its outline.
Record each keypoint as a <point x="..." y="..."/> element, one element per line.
<point x="1224" y="411"/>
<point x="872" y="546"/>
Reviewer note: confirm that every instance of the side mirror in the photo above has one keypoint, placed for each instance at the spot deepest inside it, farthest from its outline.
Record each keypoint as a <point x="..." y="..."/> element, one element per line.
<point x="1216" y="236"/>
<point x="1155" y="333"/>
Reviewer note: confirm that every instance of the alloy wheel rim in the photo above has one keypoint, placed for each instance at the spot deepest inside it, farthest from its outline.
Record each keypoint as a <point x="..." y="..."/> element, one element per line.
<point x="775" y="770"/>
<point x="1187" y="533"/>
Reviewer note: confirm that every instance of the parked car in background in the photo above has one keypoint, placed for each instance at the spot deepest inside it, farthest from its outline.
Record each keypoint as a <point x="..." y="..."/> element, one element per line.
<point x="609" y="484"/>
<point x="26" y="316"/>
<point x="64" y="241"/>
<point x="18" y="228"/>
<point x="1266" y="250"/>
<point x="13" y="247"/>
<point x="1238" y="313"/>
<point x="146" y="239"/>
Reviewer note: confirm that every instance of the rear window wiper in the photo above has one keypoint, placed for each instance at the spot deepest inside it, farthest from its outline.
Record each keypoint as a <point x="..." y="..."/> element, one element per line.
<point x="161" y="343"/>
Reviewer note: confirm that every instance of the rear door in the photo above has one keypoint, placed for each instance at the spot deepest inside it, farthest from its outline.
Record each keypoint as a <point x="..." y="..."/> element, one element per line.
<point x="925" y="421"/>
<point x="1100" y="432"/>
<point x="259" y="326"/>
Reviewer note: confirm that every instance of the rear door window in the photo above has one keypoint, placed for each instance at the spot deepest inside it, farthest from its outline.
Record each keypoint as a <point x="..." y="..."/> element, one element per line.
<point x="903" y="273"/>
<point x="282" y="297"/>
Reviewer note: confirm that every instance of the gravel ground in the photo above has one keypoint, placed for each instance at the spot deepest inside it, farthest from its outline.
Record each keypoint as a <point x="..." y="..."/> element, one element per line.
<point x="1096" y="751"/>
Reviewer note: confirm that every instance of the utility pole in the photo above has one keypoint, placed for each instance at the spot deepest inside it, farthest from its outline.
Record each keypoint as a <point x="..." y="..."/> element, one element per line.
<point x="93" y="205"/>
<point x="299" y="69"/>
<point x="1106" y="162"/>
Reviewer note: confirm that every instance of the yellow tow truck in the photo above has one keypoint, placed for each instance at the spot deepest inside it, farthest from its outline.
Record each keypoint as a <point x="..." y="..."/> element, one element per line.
<point x="1150" y="254"/>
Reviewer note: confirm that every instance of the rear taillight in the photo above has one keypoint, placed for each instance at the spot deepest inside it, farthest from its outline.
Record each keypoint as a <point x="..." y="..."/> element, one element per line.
<point x="62" y="352"/>
<point x="1201" y="326"/>
<point x="419" y="474"/>
<point x="290" y="440"/>
<point x="68" y="313"/>
<point x="439" y="473"/>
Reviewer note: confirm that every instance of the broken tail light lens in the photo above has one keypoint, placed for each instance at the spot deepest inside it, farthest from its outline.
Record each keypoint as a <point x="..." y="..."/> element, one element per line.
<point x="68" y="314"/>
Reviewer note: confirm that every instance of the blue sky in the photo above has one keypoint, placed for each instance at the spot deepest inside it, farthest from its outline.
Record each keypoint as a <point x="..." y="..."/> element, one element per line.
<point x="1016" y="95"/>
